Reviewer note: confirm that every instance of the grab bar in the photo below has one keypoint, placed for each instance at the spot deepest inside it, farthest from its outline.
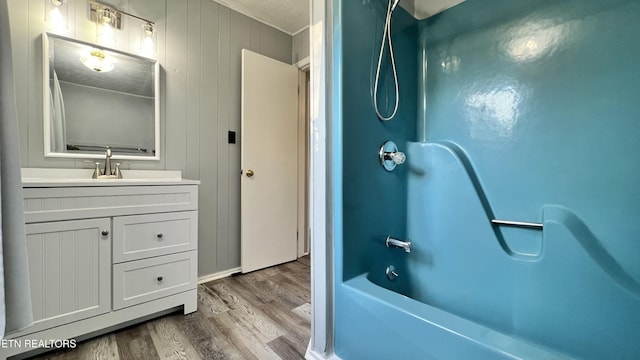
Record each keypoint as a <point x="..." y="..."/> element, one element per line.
<point x="537" y="226"/>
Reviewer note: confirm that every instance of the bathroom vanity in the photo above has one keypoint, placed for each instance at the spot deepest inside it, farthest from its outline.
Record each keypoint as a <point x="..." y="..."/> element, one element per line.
<point x="106" y="253"/>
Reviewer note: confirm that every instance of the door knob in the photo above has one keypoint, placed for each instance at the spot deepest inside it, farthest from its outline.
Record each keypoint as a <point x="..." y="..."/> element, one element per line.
<point x="249" y="173"/>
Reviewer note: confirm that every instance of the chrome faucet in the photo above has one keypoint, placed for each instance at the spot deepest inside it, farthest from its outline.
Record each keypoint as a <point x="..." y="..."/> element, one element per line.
<point x="107" y="173"/>
<point x="406" y="245"/>
<point x="107" y="163"/>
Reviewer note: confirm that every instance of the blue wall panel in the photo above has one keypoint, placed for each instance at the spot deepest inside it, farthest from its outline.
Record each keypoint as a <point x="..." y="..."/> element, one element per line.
<point x="374" y="199"/>
<point x="545" y="101"/>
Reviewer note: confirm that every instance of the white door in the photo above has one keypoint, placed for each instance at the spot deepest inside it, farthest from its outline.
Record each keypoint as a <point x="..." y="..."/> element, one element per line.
<point x="269" y="162"/>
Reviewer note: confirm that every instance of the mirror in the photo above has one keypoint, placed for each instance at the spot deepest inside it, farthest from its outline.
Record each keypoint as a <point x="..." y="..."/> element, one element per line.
<point x="97" y="98"/>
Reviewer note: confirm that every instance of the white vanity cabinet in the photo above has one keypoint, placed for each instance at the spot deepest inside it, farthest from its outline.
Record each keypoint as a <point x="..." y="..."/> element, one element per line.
<point x="69" y="270"/>
<point x="104" y="255"/>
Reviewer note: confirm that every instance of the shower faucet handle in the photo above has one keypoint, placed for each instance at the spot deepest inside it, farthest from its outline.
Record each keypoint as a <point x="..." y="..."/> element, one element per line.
<point x="390" y="156"/>
<point x="398" y="157"/>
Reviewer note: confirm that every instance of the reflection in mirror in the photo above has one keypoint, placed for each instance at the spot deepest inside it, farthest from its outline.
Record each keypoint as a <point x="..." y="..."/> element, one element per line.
<point x="97" y="98"/>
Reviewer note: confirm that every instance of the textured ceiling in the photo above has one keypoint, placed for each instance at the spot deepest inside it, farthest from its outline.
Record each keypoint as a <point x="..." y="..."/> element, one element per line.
<point x="290" y="16"/>
<point x="131" y="74"/>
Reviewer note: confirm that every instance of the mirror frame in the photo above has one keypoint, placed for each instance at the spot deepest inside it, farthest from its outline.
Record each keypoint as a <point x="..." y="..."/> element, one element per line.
<point x="47" y="106"/>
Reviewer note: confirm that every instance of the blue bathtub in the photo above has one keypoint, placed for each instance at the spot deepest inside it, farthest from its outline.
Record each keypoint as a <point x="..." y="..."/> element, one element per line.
<point x="473" y="290"/>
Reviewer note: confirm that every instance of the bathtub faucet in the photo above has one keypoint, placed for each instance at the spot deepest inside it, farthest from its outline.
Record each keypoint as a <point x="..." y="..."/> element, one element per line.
<point x="406" y="245"/>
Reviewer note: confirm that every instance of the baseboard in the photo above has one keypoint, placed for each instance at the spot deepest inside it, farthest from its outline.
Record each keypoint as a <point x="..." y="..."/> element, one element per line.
<point x="314" y="355"/>
<point x="218" y="275"/>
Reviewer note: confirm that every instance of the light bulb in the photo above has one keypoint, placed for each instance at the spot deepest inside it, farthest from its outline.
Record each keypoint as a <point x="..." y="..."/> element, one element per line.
<point x="56" y="17"/>
<point x="105" y="32"/>
<point x="97" y="61"/>
<point x="106" y="35"/>
<point x="147" y="44"/>
<point x="56" y="14"/>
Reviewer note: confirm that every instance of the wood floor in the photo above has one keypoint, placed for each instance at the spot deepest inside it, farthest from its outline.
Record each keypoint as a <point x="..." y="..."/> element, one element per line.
<point x="265" y="314"/>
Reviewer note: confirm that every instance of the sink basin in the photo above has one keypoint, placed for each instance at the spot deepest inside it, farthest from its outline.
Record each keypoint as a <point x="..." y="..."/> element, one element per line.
<point x="82" y="177"/>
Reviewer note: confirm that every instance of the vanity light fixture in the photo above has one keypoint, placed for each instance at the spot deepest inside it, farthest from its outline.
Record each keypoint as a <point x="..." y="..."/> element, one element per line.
<point x="56" y="13"/>
<point x="97" y="61"/>
<point x="108" y="19"/>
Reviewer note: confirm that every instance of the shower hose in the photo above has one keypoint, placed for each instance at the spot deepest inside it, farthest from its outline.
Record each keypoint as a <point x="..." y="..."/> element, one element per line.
<point x="386" y="35"/>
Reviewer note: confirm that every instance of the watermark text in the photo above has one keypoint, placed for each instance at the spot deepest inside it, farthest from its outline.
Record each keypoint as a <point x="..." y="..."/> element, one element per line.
<point x="38" y="343"/>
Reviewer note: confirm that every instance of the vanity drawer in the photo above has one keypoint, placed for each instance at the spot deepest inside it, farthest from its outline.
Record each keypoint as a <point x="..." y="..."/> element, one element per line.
<point x="142" y="236"/>
<point x="64" y="203"/>
<point x="136" y="282"/>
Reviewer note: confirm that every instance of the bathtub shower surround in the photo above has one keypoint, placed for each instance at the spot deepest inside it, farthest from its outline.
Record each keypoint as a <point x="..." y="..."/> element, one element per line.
<point x="519" y="191"/>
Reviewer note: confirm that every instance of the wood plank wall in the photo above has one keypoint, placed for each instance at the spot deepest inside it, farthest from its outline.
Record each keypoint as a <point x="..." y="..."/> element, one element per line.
<point x="199" y="44"/>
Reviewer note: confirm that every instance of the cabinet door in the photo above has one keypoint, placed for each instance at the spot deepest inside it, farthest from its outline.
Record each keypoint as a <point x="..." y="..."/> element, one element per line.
<point x="69" y="270"/>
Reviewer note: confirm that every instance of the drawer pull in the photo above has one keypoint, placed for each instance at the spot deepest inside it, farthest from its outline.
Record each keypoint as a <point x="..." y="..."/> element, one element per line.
<point x="160" y="278"/>
<point x="160" y="236"/>
<point x="105" y="232"/>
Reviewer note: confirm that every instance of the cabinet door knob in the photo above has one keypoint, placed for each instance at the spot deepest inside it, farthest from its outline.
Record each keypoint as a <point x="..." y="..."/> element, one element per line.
<point x="105" y="232"/>
<point x="160" y="236"/>
<point x="160" y="278"/>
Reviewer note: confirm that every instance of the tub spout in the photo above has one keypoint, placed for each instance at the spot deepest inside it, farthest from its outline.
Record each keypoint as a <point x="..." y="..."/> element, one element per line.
<point x="406" y="245"/>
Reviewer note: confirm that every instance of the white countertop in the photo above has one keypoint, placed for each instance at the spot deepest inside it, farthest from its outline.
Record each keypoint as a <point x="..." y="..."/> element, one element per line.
<point x="45" y="177"/>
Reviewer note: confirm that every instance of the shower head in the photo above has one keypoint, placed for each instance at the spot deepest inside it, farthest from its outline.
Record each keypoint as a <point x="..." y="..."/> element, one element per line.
<point x="395" y="3"/>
